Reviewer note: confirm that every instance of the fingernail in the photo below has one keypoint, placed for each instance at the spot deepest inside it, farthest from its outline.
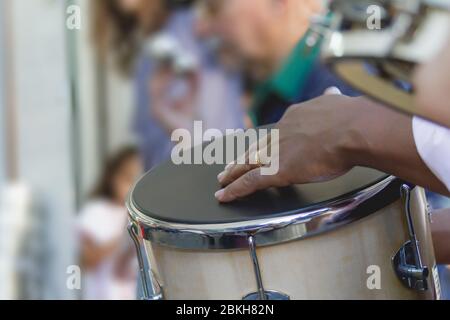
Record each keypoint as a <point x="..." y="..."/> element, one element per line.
<point x="220" y="176"/>
<point x="219" y="194"/>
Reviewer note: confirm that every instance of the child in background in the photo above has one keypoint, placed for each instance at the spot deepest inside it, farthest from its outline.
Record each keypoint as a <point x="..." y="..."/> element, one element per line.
<point x="107" y="254"/>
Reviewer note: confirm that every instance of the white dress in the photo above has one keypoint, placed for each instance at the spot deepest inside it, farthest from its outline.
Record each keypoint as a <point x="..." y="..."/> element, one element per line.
<point x="103" y="222"/>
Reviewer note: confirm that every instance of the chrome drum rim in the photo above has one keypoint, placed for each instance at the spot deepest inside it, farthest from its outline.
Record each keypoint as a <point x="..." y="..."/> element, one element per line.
<point x="299" y="224"/>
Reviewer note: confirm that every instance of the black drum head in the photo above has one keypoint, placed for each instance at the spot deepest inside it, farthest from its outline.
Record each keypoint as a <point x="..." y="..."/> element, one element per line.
<point x="185" y="194"/>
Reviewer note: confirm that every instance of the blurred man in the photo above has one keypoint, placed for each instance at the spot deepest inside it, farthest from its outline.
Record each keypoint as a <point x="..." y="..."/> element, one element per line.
<point x="213" y="96"/>
<point x="276" y="44"/>
<point x="165" y="99"/>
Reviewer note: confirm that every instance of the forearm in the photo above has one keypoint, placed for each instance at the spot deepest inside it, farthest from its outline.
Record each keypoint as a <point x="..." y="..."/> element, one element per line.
<point x="383" y="140"/>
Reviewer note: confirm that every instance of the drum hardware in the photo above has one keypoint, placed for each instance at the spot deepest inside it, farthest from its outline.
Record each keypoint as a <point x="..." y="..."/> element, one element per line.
<point x="407" y="261"/>
<point x="261" y="294"/>
<point x="152" y="290"/>
<point x="437" y="284"/>
<point x="429" y="213"/>
<point x="381" y="63"/>
<point x="357" y="11"/>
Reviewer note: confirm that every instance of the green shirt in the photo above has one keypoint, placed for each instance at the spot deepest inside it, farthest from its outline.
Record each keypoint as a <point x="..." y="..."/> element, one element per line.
<point x="289" y="80"/>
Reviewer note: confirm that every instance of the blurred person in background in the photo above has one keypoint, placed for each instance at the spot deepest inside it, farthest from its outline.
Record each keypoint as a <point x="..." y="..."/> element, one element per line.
<point x="225" y="53"/>
<point x="167" y="99"/>
<point x="280" y="49"/>
<point x="107" y="254"/>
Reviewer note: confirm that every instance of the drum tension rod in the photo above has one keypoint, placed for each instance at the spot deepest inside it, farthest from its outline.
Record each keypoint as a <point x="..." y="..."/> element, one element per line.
<point x="407" y="262"/>
<point x="151" y="288"/>
<point x="261" y="294"/>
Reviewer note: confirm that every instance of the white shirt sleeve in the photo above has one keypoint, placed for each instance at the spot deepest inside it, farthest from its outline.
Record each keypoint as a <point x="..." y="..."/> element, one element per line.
<point x="433" y="143"/>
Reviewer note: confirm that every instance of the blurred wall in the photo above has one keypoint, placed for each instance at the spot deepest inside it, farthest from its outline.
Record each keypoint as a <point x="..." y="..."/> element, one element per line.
<point x="2" y="96"/>
<point x="104" y="103"/>
<point x="69" y="111"/>
<point x="83" y="68"/>
<point x="41" y="102"/>
<point x="120" y="105"/>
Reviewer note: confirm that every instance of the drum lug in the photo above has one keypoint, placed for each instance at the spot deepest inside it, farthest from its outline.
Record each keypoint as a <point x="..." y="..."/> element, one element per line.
<point x="261" y="294"/>
<point x="152" y="290"/>
<point x="410" y="275"/>
<point x="407" y="262"/>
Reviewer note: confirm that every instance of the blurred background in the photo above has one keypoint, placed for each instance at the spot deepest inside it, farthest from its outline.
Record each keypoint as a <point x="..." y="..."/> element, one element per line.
<point x="79" y="115"/>
<point x="89" y="93"/>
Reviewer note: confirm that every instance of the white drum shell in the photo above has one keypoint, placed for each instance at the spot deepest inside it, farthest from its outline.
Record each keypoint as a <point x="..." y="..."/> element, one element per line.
<point x="333" y="265"/>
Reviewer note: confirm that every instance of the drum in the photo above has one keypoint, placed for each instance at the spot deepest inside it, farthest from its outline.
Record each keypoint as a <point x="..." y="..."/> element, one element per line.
<point x="364" y="235"/>
<point x="376" y="45"/>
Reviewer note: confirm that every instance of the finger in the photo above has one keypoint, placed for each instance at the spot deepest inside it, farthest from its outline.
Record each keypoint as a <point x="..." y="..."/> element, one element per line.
<point x="237" y="168"/>
<point x="230" y="173"/>
<point x="245" y="185"/>
<point x="333" y="91"/>
<point x="241" y="164"/>
<point x="247" y="162"/>
<point x="249" y="156"/>
<point x="234" y="172"/>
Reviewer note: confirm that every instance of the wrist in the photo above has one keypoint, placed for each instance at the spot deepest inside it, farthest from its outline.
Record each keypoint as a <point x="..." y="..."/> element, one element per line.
<point x="357" y="137"/>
